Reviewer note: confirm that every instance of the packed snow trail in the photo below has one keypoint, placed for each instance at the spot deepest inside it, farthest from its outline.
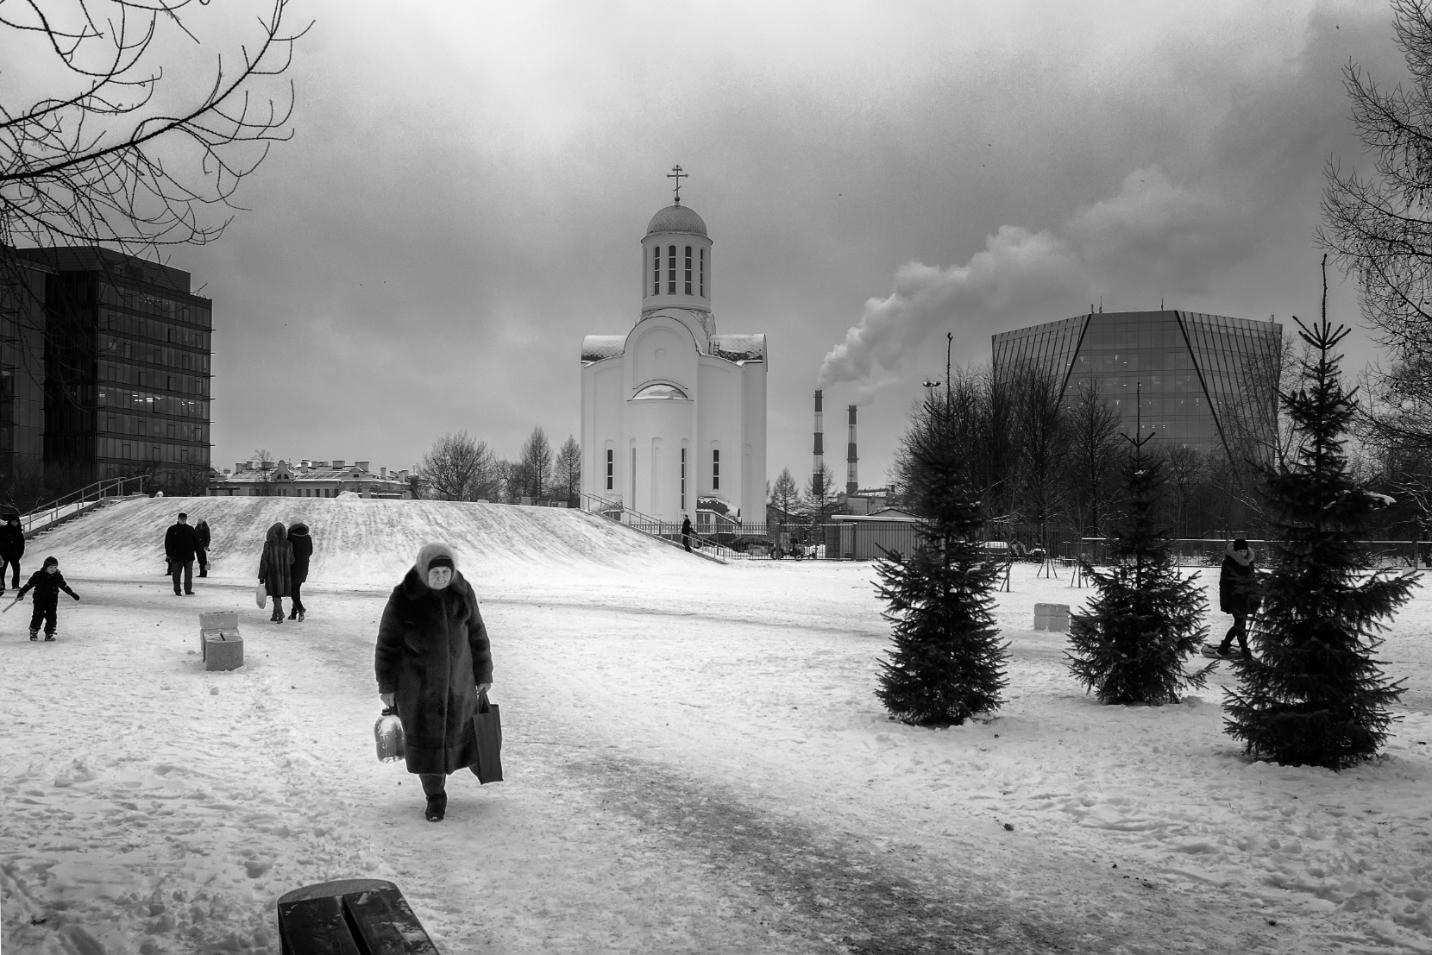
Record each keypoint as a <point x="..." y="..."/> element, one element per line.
<point x="695" y="762"/>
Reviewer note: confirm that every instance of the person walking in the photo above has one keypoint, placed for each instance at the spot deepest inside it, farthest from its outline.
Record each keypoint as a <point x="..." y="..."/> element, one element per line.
<point x="180" y="547"/>
<point x="302" y="546"/>
<point x="686" y="532"/>
<point x="276" y="569"/>
<point x="12" y="548"/>
<point x="433" y="661"/>
<point x="1238" y="595"/>
<point x="47" y="582"/>
<point x="201" y="546"/>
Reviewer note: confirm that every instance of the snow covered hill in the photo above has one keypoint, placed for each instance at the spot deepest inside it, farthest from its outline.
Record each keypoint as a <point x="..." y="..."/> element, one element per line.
<point x="356" y="542"/>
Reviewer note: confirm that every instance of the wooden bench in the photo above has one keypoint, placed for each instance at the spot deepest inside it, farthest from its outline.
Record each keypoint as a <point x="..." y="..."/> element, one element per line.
<point x="350" y="917"/>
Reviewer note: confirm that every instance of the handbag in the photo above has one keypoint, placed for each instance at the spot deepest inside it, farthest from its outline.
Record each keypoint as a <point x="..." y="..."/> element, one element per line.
<point x="488" y="729"/>
<point x="260" y="596"/>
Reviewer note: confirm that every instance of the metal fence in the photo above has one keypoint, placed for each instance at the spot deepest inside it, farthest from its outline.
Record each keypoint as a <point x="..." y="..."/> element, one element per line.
<point x="1208" y="552"/>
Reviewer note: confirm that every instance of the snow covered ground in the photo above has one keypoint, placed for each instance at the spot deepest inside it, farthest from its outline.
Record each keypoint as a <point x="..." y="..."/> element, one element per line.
<point x="695" y="762"/>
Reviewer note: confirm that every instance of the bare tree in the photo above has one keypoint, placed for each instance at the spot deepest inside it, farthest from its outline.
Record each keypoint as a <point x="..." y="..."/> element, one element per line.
<point x="1043" y="429"/>
<point x="1095" y="456"/>
<point x="459" y="468"/>
<point x="785" y="494"/>
<point x="534" y="469"/>
<point x="1186" y="471"/>
<point x="569" y="470"/>
<point x="820" y="496"/>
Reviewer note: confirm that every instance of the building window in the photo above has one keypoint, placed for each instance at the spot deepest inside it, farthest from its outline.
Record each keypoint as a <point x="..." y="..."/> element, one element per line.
<point x="611" y="468"/>
<point x="688" y="270"/>
<point x="702" y="273"/>
<point x="683" y="479"/>
<point x="671" y="270"/>
<point x="715" y="466"/>
<point x="656" y="270"/>
<point x="632" y="503"/>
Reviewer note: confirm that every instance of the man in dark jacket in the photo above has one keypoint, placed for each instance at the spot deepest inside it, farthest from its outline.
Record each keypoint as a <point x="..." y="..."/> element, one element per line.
<point x="180" y="546"/>
<point x="12" y="548"/>
<point x="302" y="546"/>
<point x="686" y="533"/>
<point x="1238" y="595"/>
<point x="201" y="547"/>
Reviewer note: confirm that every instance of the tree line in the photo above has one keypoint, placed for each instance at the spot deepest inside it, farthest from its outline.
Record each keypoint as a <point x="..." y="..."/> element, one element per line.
<point x="460" y="467"/>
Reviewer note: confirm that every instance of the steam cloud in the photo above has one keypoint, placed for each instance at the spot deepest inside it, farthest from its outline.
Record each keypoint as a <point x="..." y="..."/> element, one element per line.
<point x="1152" y="230"/>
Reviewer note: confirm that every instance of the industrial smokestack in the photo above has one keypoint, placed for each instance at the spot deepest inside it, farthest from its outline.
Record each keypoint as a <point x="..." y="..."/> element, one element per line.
<point x="852" y="483"/>
<point x="819" y="457"/>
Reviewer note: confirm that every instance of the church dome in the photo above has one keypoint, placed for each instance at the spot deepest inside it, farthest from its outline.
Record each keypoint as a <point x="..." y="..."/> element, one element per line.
<point x="676" y="219"/>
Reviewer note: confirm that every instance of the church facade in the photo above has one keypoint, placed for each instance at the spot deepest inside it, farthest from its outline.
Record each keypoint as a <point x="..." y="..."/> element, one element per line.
<point x="674" y="414"/>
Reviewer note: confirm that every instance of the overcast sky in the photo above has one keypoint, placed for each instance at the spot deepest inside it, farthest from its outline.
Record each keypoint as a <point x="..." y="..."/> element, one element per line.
<point x="468" y="183"/>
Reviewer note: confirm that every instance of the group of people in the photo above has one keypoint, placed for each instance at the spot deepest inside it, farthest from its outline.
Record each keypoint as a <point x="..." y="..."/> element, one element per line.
<point x="283" y="564"/>
<point x="47" y="582"/>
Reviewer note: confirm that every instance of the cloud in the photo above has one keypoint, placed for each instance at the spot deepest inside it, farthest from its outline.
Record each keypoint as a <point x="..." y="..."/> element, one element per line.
<point x="1151" y="230"/>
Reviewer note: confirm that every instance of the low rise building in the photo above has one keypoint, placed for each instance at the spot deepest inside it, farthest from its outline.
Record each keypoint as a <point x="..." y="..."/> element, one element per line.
<point x="310" y="479"/>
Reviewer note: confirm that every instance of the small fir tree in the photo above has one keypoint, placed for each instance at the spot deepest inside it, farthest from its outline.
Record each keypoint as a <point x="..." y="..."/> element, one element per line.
<point x="947" y="663"/>
<point x="1146" y="618"/>
<point x="1313" y="694"/>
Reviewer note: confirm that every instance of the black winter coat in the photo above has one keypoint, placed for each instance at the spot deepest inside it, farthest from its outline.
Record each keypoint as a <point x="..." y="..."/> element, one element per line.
<point x="432" y="652"/>
<point x="201" y="534"/>
<point x="12" y="541"/>
<point x="302" y="546"/>
<point x="1238" y="591"/>
<point x="47" y="588"/>
<point x="179" y="543"/>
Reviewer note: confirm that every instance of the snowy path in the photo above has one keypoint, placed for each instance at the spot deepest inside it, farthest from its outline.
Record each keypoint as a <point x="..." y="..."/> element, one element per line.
<point x="695" y="763"/>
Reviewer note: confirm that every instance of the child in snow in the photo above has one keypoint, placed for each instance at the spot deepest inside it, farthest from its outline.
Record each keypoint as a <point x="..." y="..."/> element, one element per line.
<point x="47" y="582"/>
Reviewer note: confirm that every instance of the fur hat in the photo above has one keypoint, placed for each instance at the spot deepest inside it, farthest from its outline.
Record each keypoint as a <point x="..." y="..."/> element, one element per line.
<point x="430" y="553"/>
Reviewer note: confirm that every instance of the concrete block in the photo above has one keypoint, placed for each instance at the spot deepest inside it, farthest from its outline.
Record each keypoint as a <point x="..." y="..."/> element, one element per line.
<point x="1051" y="617"/>
<point x="227" y="620"/>
<point x="223" y="650"/>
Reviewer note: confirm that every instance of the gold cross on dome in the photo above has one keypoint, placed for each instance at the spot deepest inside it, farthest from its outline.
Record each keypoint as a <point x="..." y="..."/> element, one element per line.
<point x="678" y="175"/>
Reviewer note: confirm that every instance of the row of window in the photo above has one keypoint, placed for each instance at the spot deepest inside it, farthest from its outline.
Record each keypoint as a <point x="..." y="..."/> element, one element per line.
<point x="146" y="403"/>
<point x="700" y="272"/>
<point x="152" y="378"/>
<point x="157" y="305"/>
<point x="154" y="427"/>
<point x="116" y="321"/>
<point x="715" y="471"/>
<point x="111" y="346"/>
<point x="124" y="449"/>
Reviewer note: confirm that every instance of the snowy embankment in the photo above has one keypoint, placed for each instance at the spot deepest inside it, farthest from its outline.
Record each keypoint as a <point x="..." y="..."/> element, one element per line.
<point x="695" y="762"/>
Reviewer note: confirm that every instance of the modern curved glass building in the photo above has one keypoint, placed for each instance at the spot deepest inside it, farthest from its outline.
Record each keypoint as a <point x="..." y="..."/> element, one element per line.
<point x="1207" y="382"/>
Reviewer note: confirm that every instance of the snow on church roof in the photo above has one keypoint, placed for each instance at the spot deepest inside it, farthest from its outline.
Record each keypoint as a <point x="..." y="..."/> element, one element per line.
<point x="739" y="347"/>
<point x="597" y="347"/>
<point x="677" y="219"/>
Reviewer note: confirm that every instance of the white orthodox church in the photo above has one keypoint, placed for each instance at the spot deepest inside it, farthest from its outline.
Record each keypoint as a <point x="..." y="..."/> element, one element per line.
<point x="673" y="414"/>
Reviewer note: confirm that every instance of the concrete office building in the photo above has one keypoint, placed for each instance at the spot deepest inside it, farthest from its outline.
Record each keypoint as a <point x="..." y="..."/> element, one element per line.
<point x="1207" y="382"/>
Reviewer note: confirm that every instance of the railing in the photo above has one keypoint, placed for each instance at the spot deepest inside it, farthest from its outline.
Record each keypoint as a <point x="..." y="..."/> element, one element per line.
<point x="664" y="531"/>
<point x="1208" y="552"/>
<point x="77" y="501"/>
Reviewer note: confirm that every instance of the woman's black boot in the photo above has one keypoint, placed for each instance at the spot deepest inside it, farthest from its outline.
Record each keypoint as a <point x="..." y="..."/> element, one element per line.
<point x="437" y="807"/>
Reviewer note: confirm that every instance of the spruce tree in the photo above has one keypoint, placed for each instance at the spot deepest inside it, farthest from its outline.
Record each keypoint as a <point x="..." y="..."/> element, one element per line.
<point x="1313" y="693"/>
<point x="1146" y="617"/>
<point x="947" y="663"/>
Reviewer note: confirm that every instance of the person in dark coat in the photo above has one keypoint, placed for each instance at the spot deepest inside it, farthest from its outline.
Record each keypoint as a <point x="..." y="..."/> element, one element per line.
<point x="433" y="660"/>
<point x="201" y="546"/>
<point x="686" y="533"/>
<point x="1238" y="595"/>
<point x="47" y="582"/>
<point x="276" y="569"/>
<point x="302" y="546"/>
<point x="12" y="548"/>
<point x="180" y="546"/>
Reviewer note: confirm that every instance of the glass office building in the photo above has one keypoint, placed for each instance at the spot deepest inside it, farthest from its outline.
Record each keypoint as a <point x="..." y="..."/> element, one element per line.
<point x="22" y="367"/>
<point x="1207" y="382"/>
<point x="127" y="365"/>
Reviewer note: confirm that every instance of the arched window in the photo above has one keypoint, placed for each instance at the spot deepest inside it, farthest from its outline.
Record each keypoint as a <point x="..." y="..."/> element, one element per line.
<point x="688" y="270"/>
<point x="715" y="466"/>
<point x="703" y="273"/>
<point x="656" y="270"/>
<point x="660" y="392"/>
<point x="611" y="469"/>
<point x="671" y="270"/>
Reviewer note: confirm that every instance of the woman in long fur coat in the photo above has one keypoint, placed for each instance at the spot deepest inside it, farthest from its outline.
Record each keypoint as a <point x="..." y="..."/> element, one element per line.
<point x="275" y="568"/>
<point x="433" y="660"/>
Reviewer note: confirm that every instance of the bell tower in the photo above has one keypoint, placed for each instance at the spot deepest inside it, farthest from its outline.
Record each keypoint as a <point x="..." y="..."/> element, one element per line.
<point x="676" y="263"/>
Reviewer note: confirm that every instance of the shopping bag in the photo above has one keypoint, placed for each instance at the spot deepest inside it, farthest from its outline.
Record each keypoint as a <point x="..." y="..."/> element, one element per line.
<point x="488" y="729"/>
<point x="260" y="595"/>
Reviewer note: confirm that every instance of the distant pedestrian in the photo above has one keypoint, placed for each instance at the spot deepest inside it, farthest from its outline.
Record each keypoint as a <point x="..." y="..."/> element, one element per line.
<point x="302" y="546"/>
<point x="180" y="547"/>
<point x="686" y="533"/>
<point x="1238" y="595"/>
<point x="12" y="548"/>
<point x="47" y="582"/>
<point x="201" y="546"/>
<point x="433" y="662"/>
<point x="276" y="569"/>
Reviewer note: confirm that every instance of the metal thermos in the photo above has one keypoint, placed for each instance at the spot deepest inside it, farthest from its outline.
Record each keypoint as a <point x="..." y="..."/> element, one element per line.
<point x="388" y="732"/>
